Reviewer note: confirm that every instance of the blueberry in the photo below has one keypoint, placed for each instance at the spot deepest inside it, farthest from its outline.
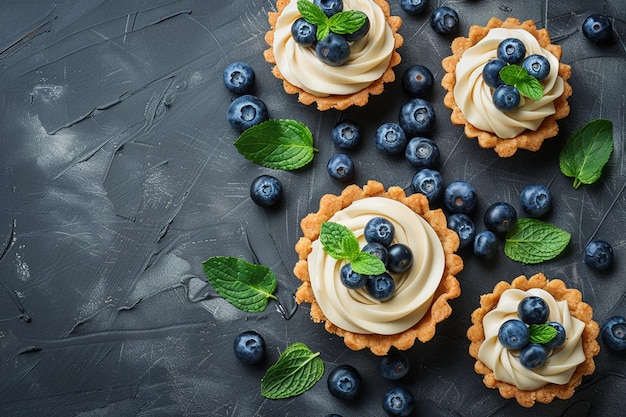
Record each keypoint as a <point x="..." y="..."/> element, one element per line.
<point x="303" y="32"/>
<point x="598" y="28"/>
<point x="329" y="7"/>
<point x="417" y="81"/>
<point x="345" y="134"/>
<point x="417" y="117"/>
<point x="513" y="334"/>
<point x="340" y="167"/>
<point x="344" y="382"/>
<point x="537" y="65"/>
<point x="506" y="97"/>
<point x="238" y="77"/>
<point x="428" y="182"/>
<point x="360" y="33"/>
<point x="413" y="7"/>
<point x="444" y="20"/>
<point x="560" y="337"/>
<point x="598" y="255"/>
<point x="381" y="286"/>
<point x="249" y="347"/>
<point x="399" y="258"/>
<point x="378" y="250"/>
<point x="485" y="245"/>
<point x="350" y="279"/>
<point x="614" y="333"/>
<point x="459" y="197"/>
<point x="379" y="229"/>
<point x="535" y="200"/>
<point x="398" y="401"/>
<point x="533" y="310"/>
<point x="511" y="51"/>
<point x="533" y="355"/>
<point x="491" y="73"/>
<point x="394" y="365"/>
<point x="246" y="111"/>
<point x="500" y="217"/>
<point x="390" y="139"/>
<point x="266" y="190"/>
<point x="464" y="227"/>
<point x="333" y="50"/>
<point x="422" y="152"/>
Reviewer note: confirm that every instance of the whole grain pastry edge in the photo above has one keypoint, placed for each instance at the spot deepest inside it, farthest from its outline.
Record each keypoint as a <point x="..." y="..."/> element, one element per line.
<point x="528" y="140"/>
<point x="339" y="102"/>
<point x="578" y="309"/>
<point x="448" y="288"/>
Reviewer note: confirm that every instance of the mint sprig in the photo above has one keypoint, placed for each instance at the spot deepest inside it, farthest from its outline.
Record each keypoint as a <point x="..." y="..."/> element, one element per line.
<point x="541" y="333"/>
<point x="519" y="78"/>
<point x="340" y="243"/>
<point x="296" y="370"/>
<point x="532" y="241"/>
<point x="246" y="286"/>
<point x="342" y="23"/>
<point x="277" y="143"/>
<point x="587" y="151"/>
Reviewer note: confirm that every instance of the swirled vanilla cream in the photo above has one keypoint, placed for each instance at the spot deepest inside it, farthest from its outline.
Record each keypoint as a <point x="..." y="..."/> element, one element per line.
<point x="369" y="57"/>
<point x="474" y="96"/>
<point x="356" y="310"/>
<point x="506" y="367"/>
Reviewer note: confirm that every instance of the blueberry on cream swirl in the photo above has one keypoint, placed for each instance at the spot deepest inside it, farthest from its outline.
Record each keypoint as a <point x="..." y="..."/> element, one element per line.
<point x="474" y="97"/>
<point x="561" y="363"/>
<point x="355" y="310"/>
<point x="369" y="57"/>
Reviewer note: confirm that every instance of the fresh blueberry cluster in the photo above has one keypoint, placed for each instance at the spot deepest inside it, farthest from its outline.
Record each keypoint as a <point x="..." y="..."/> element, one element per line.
<point x="246" y="110"/>
<point x="397" y="257"/>
<point x="334" y="48"/>
<point x="512" y="51"/>
<point x="517" y="334"/>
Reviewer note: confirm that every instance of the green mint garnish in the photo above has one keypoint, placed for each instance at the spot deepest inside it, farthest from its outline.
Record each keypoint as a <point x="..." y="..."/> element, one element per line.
<point x="340" y="243"/>
<point x="277" y="143"/>
<point x="587" y="151"/>
<point x="541" y="333"/>
<point x="246" y="286"/>
<point x="342" y="23"/>
<point x="519" y="78"/>
<point x="533" y="241"/>
<point x="296" y="370"/>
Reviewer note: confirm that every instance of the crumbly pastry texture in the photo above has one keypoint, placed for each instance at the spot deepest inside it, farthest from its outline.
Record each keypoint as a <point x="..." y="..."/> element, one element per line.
<point x="339" y="102"/>
<point x="448" y="288"/>
<point x="528" y="140"/>
<point x="578" y="309"/>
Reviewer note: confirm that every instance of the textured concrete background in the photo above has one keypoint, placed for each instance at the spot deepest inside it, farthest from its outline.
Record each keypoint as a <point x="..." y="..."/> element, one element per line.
<point x="118" y="177"/>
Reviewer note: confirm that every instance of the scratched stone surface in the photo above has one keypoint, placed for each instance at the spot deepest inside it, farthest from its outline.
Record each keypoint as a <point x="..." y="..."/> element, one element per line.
<point x="118" y="177"/>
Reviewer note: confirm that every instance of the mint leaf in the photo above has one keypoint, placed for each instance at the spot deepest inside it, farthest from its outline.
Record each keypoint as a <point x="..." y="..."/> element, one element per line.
<point x="296" y="370"/>
<point x="587" y="151"/>
<point x="532" y="241"/>
<point x="541" y="333"/>
<point x="367" y="264"/>
<point x="312" y="13"/>
<point x="519" y="78"/>
<point x="346" y="22"/>
<point x="246" y="286"/>
<point x="338" y="241"/>
<point x="277" y="143"/>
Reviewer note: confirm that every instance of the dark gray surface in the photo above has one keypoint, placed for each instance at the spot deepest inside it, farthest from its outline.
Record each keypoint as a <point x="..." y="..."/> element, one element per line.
<point x="118" y="177"/>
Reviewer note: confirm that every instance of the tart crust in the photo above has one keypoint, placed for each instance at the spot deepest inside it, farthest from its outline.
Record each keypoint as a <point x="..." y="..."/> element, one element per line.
<point x="448" y="288"/>
<point x="339" y="102"/>
<point x="528" y="139"/>
<point x="578" y="309"/>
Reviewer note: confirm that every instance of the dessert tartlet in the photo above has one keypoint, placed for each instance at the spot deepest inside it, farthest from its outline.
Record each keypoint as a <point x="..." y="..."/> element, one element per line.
<point x="470" y="98"/>
<point x="565" y="366"/>
<point x="420" y="300"/>
<point x="368" y="68"/>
